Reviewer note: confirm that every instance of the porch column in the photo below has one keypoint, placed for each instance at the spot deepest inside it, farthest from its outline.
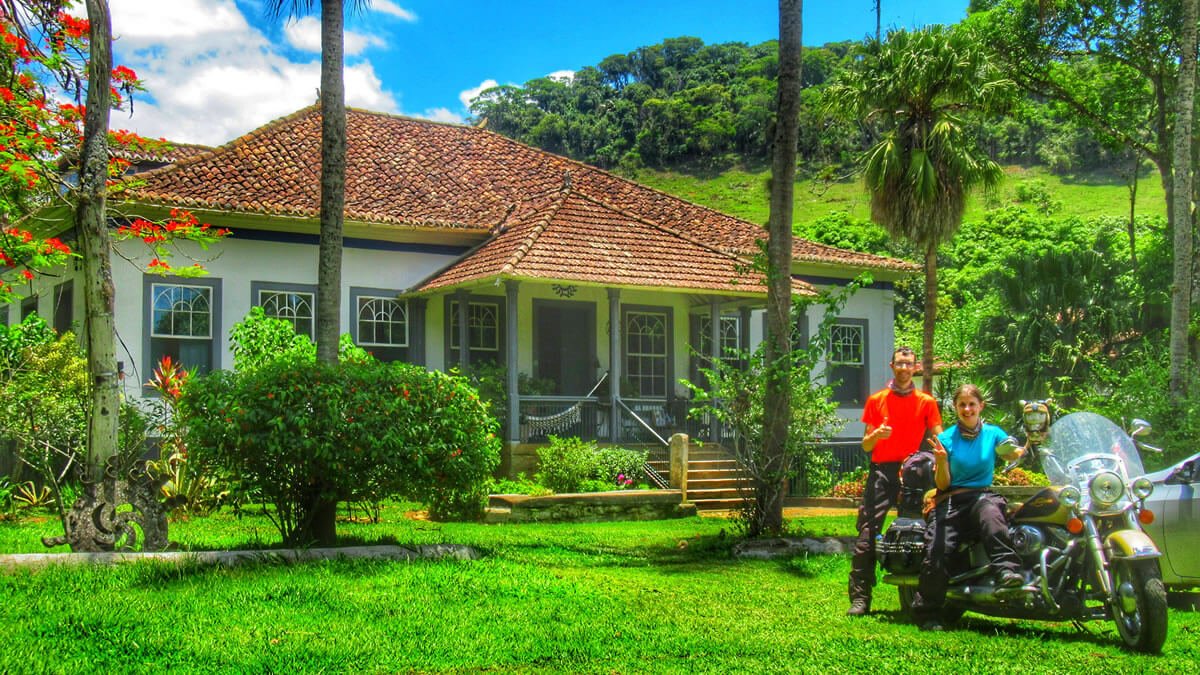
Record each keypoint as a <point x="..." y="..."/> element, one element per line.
<point x="416" y="333"/>
<point x="464" y="347"/>
<point x="714" y="313"/>
<point x="744" y="333"/>
<point x="614" y="362"/>
<point x="511" y="372"/>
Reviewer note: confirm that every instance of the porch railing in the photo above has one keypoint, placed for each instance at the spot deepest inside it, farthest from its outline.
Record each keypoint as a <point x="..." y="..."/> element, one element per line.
<point x="643" y="420"/>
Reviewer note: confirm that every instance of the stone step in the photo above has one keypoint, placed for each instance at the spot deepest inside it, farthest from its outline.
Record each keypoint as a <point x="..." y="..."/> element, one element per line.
<point x="726" y="474"/>
<point x="729" y="504"/>
<point x="706" y="494"/>
<point x="716" y="483"/>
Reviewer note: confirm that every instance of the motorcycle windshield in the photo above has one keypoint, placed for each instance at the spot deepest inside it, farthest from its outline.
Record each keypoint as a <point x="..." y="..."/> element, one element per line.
<point x="1082" y="444"/>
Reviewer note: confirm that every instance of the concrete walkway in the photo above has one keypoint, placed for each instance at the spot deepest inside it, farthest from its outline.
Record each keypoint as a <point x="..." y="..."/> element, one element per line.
<point x="11" y="562"/>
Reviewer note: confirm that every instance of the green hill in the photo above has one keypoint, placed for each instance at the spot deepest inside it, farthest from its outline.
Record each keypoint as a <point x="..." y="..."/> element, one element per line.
<point x="743" y="193"/>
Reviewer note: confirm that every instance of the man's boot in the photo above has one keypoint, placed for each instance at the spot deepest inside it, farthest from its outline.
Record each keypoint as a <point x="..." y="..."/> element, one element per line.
<point x="859" y="607"/>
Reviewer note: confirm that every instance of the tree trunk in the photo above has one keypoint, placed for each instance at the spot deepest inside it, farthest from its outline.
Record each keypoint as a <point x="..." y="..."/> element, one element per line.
<point x="333" y="181"/>
<point x="930" y="317"/>
<point x="1181" y="291"/>
<point x="96" y="245"/>
<point x="333" y="197"/>
<point x="777" y="406"/>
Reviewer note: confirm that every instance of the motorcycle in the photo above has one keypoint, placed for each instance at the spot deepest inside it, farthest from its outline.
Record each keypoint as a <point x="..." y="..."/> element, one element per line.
<point x="1084" y="555"/>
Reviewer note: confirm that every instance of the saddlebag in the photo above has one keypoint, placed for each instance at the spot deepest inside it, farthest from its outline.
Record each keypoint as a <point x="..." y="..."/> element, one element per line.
<point x="902" y="548"/>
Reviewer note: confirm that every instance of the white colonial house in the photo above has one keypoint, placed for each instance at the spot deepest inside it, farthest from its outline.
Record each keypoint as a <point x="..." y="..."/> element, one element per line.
<point x="463" y="246"/>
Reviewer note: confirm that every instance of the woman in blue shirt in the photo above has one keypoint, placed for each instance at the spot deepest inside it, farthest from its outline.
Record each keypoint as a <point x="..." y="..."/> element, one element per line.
<point x="965" y="509"/>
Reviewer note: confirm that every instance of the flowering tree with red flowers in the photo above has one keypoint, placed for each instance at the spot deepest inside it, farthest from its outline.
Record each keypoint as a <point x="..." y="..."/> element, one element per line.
<point x="54" y="152"/>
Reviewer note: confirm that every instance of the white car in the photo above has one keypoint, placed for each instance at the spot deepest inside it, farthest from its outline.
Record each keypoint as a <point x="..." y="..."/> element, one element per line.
<point x="1176" y="527"/>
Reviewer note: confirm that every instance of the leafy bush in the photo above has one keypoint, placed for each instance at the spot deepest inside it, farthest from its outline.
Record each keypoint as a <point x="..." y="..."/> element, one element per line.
<point x="258" y="340"/>
<point x="1138" y="386"/>
<point x="851" y="485"/>
<point x="619" y="466"/>
<point x="566" y="463"/>
<point x="300" y="434"/>
<point x="519" y="486"/>
<point x="574" y="465"/>
<point x="187" y="490"/>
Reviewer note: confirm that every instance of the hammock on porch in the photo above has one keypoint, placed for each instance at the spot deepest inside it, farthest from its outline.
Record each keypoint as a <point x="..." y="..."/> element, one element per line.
<point x="562" y="420"/>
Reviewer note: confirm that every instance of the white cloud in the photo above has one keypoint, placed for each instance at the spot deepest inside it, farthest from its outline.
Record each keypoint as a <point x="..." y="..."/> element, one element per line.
<point x="443" y="115"/>
<point x="392" y="9"/>
<point x="563" y="75"/>
<point x="305" y="34"/>
<point x="466" y="95"/>
<point x="213" y="76"/>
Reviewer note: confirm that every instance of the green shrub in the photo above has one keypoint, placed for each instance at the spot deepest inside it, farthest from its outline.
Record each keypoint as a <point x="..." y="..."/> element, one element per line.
<point x="619" y="466"/>
<point x="299" y="434"/>
<point x="574" y="465"/>
<point x="566" y="463"/>
<point x="258" y="340"/>
<point x="519" y="486"/>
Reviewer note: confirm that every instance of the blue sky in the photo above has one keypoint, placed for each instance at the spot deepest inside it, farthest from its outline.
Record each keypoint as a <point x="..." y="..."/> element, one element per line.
<point x="216" y="69"/>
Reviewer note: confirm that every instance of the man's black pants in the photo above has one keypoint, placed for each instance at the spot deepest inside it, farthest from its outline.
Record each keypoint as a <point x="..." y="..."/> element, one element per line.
<point x="880" y="493"/>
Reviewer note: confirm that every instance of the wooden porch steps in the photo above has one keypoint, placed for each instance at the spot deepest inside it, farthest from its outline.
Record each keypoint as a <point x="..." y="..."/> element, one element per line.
<point x="715" y="483"/>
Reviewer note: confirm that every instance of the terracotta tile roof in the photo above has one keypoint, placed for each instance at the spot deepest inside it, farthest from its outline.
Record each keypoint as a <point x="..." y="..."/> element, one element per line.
<point x="173" y="153"/>
<point x="569" y="236"/>
<point x="419" y="174"/>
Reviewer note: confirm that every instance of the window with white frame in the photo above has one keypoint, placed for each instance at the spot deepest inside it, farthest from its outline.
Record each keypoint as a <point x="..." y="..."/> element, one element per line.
<point x="484" y="330"/>
<point x="181" y="324"/>
<point x="730" y="337"/>
<point x="646" y="352"/>
<point x="382" y="322"/>
<point x="847" y="355"/>
<point x="296" y="305"/>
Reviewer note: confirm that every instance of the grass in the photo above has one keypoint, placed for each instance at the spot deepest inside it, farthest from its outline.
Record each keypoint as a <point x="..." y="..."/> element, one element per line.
<point x="743" y="193"/>
<point x="660" y="596"/>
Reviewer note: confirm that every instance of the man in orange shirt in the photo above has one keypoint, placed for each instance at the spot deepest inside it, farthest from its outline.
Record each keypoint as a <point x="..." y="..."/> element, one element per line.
<point x="899" y="418"/>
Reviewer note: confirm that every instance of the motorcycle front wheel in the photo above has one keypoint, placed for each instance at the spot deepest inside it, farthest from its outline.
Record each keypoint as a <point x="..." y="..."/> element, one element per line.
<point x="1140" y="611"/>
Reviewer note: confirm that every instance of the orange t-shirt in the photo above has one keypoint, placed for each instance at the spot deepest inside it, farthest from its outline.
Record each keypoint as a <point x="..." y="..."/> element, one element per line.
<point x="909" y="416"/>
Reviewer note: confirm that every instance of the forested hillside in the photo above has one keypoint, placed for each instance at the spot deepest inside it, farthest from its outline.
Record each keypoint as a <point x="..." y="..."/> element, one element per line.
<point x="1057" y="283"/>
<point x="685" y="104"/>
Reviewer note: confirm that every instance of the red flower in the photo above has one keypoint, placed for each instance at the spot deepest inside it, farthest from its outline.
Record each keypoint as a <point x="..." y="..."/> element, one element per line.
<point x="124" y="74"/>
<point x="27" y="274"/>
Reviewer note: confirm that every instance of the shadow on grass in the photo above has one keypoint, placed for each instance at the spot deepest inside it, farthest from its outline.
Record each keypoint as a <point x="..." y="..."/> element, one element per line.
<point x="1099" y="633"/>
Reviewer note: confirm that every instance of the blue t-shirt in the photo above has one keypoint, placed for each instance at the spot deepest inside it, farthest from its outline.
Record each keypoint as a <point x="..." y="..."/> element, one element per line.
<point x="973" y="462"/>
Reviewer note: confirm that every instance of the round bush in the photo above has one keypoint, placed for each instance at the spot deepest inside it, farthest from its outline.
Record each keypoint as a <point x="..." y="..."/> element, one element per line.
<point x="296" y="432"/>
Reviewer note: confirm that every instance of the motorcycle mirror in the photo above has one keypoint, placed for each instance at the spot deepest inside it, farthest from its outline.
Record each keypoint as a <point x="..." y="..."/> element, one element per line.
<point x="1140" y="427"/>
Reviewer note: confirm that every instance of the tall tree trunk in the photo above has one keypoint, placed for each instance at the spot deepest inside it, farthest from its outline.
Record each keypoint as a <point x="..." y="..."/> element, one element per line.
<point x="96" y="245"/>
<point x="1181" y="292"/>
<point x="1132" y="224"/>
<point x="333" y="180"/>
<point x="777" y="406"/>
<point x="333" y="197"/>
<point x="930" y="317"/>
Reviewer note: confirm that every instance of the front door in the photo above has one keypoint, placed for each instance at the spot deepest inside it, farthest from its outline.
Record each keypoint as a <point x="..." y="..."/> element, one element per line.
<point x="564" y="347"/>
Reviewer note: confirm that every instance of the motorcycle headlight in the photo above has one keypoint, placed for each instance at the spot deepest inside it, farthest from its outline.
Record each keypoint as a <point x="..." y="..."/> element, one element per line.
<point x="1142" y="487"/>
<point x="1107" y="487"/>
<point x="1069" y="496"/>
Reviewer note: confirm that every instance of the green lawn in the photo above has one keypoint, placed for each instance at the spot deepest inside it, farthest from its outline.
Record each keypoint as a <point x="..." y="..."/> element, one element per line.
<point x="744" y="194"/>
<point x="662" y="596"/>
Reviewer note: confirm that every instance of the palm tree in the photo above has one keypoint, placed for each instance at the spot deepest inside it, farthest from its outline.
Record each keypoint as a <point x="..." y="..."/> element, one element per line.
<point x="1183" y="177"/>
<point x="768" y="511"/>
<point x="333" y="163"/>
<point x="916" y="89"/>
<point x="333" y="199"/>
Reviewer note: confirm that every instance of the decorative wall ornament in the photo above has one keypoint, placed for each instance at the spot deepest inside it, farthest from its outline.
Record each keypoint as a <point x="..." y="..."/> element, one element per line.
<point x="564" y="291"/>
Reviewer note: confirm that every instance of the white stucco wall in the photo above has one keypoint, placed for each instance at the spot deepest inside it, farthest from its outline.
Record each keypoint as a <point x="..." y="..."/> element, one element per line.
<point x="237" y="264"/>
<point x="876" y="306"/>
